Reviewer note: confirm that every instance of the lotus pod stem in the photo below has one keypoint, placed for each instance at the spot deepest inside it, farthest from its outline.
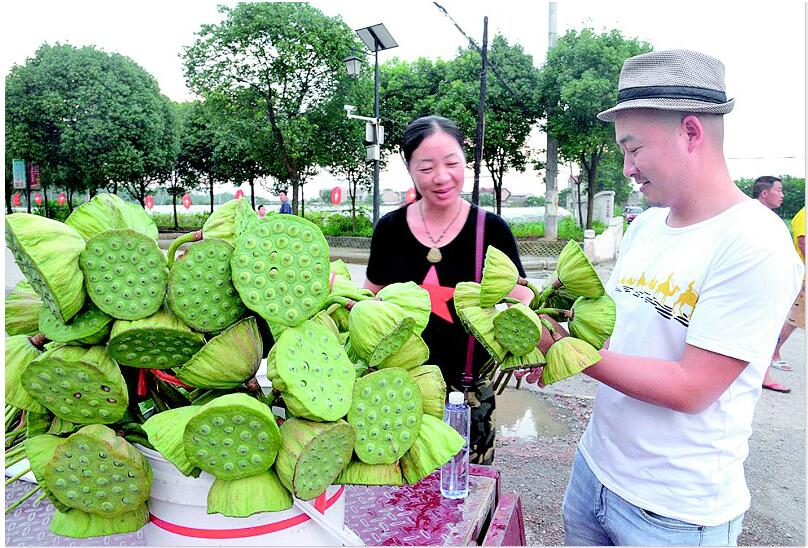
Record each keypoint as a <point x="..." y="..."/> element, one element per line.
<point x="194" y="236"/>
<point x="538" y="296"/>
<point x="25" y="497"/>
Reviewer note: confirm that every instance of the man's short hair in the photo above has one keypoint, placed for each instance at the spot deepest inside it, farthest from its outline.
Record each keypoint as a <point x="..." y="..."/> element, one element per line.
<point x="763" y="183"/>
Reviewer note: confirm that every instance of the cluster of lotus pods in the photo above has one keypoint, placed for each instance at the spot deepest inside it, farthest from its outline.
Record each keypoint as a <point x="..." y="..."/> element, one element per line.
<point x="112" y="345"/>
<point x="510" y="331"/>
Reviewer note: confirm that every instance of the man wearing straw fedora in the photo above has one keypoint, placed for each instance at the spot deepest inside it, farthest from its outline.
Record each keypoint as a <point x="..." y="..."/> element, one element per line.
<point x="661" y="461"/>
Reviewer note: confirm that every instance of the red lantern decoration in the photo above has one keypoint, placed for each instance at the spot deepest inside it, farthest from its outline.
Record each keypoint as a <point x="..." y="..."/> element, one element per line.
<point x="61" y="199"/>
<point x="186" y="201"/>
<point x="149" y="201"/>
<point x="38" y="199"/>
<point x="410" y="196"/>
<point x="16" y="200"/>
<point x="239" y="194"/>
<point x="336" y="195"/>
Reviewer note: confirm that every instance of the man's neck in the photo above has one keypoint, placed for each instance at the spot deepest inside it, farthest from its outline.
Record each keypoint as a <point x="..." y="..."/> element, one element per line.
<point x="713" y="192"/>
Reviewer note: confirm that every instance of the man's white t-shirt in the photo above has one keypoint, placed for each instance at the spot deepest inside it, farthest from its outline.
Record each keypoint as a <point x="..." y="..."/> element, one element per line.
<point x="723" y="285"/>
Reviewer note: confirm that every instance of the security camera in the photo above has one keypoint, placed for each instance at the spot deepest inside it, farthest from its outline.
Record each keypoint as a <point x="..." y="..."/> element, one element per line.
<point x="350" y="109"/>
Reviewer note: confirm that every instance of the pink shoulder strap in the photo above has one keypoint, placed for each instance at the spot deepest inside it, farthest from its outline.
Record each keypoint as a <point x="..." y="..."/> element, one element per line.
<point x="478" y="275"/>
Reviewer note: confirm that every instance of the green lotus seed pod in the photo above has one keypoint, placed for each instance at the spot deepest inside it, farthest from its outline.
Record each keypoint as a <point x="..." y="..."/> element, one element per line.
<point x="90" y="326"/>
<point x="229" y="220"/>
<point x="576" y="273"/>
<point x="339" y="268"/>
<point x="312" y="455"/>
<point x="244" y="497"/>
<point x="593" y="320"/>
<point x="429" y="379"/>
<point x="437" y="442"/>
<point x="78" y="384"/>
<point x="386" y="413"/>
<point x="280" y="269"/>
<point x="47" y="252"/>
<point x="39" y="450"/>
<point x="480" y="323"/>
<point x="228" y="359"/>
<point x="232" y="437"/>
<point x="78" y="524"/>
<point x="342" y="286"/>
<point x="109" y="212"/>
<point x="200" y="290"/>
<point x="160" y="341"/>
<point x="86" y="466"/>
<point x="412" y="298"/>
<point x="499" y="277"/>
<point x="567" y="357"/>
<point x="23" y="306"/>
<point x="126" y="273"/>
<point x="466" y="294"/>
<point x="378" y="329"/>
<point x="324" y="319"/>
<point x="20" y="352"/>
<point x="310" y="367"/>
<point x="534" y="358"/>
<point x="412" y="353"/>
<point x="360" y="473"/>
<point x="518" y="329"/>
<point x="165" y="431"/>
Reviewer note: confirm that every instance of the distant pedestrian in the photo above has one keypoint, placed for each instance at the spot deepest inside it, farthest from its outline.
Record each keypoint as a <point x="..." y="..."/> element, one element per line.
<point x="769" y="190"/>
<point x="285" y="206"/>
<point x="262" y="211"/>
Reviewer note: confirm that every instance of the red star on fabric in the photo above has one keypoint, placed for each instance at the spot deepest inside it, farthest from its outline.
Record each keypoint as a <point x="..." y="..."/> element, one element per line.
<point x="438" y="295"/>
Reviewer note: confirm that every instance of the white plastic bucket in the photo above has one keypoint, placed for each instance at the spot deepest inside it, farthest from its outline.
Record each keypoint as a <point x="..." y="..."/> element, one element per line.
<point x="179" y="516"/>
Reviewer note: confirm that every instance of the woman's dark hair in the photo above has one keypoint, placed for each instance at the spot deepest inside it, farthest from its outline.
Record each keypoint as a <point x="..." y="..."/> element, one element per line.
<point x="420" y="129"/>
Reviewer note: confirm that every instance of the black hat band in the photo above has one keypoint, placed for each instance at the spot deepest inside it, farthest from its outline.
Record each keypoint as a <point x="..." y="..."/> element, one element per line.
<point x="671" y="92"/>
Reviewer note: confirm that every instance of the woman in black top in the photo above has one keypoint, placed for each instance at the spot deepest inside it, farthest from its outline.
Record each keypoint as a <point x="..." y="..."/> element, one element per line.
<point x="432" y="242"/>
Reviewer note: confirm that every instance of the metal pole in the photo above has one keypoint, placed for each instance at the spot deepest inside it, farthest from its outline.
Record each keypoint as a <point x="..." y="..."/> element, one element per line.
<point x="480" y="135"/>
<point x="550" y="180"/>
<point x="376" y="136"/>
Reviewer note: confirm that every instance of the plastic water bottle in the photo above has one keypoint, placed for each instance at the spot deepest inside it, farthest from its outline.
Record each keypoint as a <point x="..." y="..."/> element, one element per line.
<point x="454" y="475"/>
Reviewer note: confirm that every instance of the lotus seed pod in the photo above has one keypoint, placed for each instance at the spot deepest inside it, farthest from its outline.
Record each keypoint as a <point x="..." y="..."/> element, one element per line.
<point x="39" y="450"/>
<point x="61" y="427"/>
<point x="429" y="379"/>
<point x="160" y="341"/>
<point x="20" y="352"/>
<point x="229" y="220"/>
<point x="90" y="326"/>
<point x="560" y="298"/>
<point x="280" y="268"/>
<point x="466" y="294"/>
<point x="47" y="252"/>
<point x="386" y="413"/>
<point x="200" y="291"/>
<point x="499" y="277"/>
<point x="344" y="287"/>
<point x="480" y="323"/>
<point x="244" y="497"/>
<point x="126" y="274"/>
<point x="339" y="268"/>
<point x="576" y="273"/>
<point x="518" y="329"/>
<point x="310" y="367"/>
<point x="228" y="359"/>
<point x="378" y="329"/>
<point x="412" y="353"/>
<point x="567" y="357"/>
<point x="360" y="473"/>
<point x="534" y="358"/>
<point x="312" y="455"/>
<point x="232" y="437"/>
<point x="88" y="466"/>
<point x="165" y="431"/>
<point x="78" y="384"/>
<point x="437" y="442"/>
<point x="341" y="316"/>
<point x="324" y="319"/>
<point x="109" y="212"/>
<point x="412" y="298"/>
<point x="593" y="320"/>
<point x="78" y="524"/>
<point x="23" y="306"/>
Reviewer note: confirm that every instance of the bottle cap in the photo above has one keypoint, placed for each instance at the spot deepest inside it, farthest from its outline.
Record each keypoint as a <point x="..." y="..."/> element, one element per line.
<point x="456" y="398"/>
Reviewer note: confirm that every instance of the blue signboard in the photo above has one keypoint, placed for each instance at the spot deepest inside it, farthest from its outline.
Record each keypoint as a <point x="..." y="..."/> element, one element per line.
<point x="18" y="169"/>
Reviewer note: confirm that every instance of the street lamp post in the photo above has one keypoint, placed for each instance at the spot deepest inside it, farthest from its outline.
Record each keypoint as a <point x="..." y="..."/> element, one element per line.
<point x="376" y="38"/>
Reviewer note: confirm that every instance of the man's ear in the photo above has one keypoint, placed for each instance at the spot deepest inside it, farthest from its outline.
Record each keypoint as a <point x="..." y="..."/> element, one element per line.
<point x="693" y="129"/>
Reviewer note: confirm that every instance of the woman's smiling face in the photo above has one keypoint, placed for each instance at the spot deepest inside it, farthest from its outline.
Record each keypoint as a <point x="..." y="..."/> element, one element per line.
<point x="437" y="168"/>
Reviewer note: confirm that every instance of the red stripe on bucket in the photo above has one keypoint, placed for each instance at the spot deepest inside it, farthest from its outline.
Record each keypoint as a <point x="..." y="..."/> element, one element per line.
<point x="246" y="531"/>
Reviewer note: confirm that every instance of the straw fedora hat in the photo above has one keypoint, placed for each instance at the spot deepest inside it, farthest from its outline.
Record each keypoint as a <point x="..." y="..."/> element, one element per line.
<point x="678" y="79"/>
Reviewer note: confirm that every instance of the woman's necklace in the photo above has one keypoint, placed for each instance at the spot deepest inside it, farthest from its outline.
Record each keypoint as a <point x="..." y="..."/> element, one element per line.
<point x="434" y="255"/>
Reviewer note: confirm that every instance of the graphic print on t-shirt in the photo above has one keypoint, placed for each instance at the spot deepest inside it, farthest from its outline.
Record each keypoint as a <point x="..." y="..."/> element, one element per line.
<point x="438" y="295"/>
<point x="658" y="291"/>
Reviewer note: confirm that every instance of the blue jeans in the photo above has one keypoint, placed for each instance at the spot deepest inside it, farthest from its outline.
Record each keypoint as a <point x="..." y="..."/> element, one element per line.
<point x="596" y="516"/>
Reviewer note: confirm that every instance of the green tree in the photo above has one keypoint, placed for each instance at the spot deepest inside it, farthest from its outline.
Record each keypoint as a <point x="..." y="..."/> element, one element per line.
<point x="196" y="159"/>
<point x="578" y="80"/>
<point x="610" y="176"/>
<point x="290" y="57"/>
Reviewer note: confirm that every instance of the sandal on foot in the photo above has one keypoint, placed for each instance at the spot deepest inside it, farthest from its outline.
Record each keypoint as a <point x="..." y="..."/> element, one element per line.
<point x="782" y="365"/>
<point x="777" y="387"/>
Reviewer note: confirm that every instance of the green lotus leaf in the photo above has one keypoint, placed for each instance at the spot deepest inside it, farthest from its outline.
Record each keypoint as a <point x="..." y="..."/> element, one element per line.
<point x="378" y="329"/>
<point x="165" y="431"/>
<point x="243" y="497"/>
<point x="412" y="298"/>
<point x="499" y="277"/>
<point x="90" y="326"/>
<point x="47" y="252"/>
<point x="160" y="341"/>
<point x="568" y="357"/>
<point x="228" y="359"/>
<point x="361" y="473"/>
<point x="109" y="212"/>
<point x="593" y="320"/>
<point x="20" y="352"/>
<point x="23" y="306"/>
<point x="437" y="442"/>
<point x="480" y="323"/>
<point x="429" y="379"/>
<point x="466" y="294"/>
<point x="518" y="329"/>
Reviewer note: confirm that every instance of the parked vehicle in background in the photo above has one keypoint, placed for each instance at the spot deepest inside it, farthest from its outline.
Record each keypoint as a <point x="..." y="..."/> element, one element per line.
<point x="629" y="212"/>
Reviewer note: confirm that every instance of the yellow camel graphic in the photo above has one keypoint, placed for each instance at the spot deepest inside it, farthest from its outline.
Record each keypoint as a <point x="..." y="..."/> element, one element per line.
<point x="689" y="298"/>
<point x="666" y="290"/>
<point x="641" y="282"/>
<point x="630" y="281"/>
<point x="652" y="283"/>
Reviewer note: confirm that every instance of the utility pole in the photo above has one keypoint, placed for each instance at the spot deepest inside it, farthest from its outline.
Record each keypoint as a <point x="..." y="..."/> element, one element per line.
<point x="479" y="136"/>
<point x="550" y="179"/>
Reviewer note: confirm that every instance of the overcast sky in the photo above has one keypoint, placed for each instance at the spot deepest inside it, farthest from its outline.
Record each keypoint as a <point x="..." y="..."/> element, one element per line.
<point x="761" y="44"/>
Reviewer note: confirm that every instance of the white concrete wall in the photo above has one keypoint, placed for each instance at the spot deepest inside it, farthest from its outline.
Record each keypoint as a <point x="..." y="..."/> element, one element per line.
<point x="604" y="246"/>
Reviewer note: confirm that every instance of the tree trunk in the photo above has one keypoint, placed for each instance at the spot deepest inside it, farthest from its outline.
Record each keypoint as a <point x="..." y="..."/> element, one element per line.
<point x="302" y="201"/>
<point x="174" y="203"/>
<point x="70" y="200"/>
<point x="115" y="187"/>
<point x="45" y="193"/>
<point x="252" y="192"/>
<point x="210" y="182"/>
<point x="9" y="192"/>
<point x="353" y="206"/>
<point x="590" y="196"/>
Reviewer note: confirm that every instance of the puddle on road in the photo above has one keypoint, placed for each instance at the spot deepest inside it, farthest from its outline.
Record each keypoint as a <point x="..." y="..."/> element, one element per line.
<point x="522" y="415"/>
